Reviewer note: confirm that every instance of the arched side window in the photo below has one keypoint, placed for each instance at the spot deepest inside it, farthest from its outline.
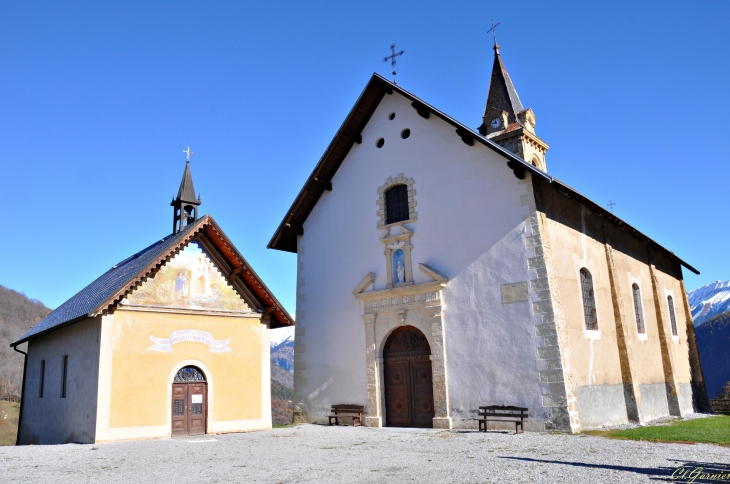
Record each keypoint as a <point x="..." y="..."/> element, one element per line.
<point x="42" y="382"/>
<point x="640" y="326"/>
<point x="589" y="300"/>
<point x="672" y="317"/>
<point x="64" y="376"/>
<point x="396" y="204"/>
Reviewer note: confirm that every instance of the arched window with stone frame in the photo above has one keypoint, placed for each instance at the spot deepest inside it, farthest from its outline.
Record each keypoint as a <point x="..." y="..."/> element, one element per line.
<point x="638" y="309"/>
<point x="589" y="300"/>
<point x="672" y="316"/>
<point x="396" y="201"/>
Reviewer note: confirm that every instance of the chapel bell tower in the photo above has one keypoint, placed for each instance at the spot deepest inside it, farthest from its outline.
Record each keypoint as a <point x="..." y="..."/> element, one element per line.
<point x="506" y="122"/>
<point x="185" y="206"/>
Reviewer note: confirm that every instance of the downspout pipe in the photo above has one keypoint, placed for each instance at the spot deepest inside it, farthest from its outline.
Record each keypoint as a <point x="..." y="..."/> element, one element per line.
<point x="22" y="392"/>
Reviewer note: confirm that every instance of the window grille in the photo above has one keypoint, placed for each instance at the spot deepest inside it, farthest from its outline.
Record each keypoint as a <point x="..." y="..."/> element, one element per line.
<point x="64" y="374"/>
<point x="640" y="327"/>
<point x="43" y="379"/>
<point x="396" y="204"/>
<point x="189" y="373"/>
<point x="589" y="300"/>
<point x="672" y="317"/>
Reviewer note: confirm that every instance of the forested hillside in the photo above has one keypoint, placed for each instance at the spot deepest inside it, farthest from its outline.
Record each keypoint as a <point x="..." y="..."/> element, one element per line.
<point x="713" y="341"/>
<point x="18" y="314"/>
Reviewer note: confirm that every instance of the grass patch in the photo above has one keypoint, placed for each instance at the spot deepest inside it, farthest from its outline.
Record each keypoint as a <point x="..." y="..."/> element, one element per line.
<point x="284" y="426"/>
<point x="710" y="430"/>
<point x="8" y="422"/>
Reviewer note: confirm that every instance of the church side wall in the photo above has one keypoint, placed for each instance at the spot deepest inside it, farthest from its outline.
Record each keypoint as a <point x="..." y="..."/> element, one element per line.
<point x="141" y="378"/>
<point x="608" y="381"/>
<point x="53" y="419"/>
<point x="469" y="227"/>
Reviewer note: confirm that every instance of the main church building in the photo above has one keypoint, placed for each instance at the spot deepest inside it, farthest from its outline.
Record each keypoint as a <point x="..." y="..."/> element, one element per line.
<point x="440" y="268"/>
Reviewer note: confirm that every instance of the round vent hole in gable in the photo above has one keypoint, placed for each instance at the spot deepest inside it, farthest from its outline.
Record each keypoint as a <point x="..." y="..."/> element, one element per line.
<point x="405" y="133"/>
<point x="380" y="142"/>
<point x="391" y="116"/>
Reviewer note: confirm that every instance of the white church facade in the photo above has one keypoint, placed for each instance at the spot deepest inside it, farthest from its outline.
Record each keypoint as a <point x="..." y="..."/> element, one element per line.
<point x="440" y="268"/>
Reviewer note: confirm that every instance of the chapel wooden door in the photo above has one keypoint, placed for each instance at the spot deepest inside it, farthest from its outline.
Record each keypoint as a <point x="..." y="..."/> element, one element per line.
<point x="189" y="402"/>
<point x="179" y="414"/>
<point x="408" y="379"/>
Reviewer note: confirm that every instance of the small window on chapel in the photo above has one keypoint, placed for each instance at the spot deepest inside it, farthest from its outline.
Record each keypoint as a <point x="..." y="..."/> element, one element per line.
<point x="589" y="300"/>
<point x="640" y="327"/>
<point x="672" y="317"/>
<point x="64" y="375"/>
<point x="396" y="204"/>
<point x="43" y="379"/>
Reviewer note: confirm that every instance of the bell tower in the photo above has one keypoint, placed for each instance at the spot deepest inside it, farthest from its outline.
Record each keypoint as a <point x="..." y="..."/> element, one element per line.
<point x="506" y="122"/>
<point x="185" y="206"/>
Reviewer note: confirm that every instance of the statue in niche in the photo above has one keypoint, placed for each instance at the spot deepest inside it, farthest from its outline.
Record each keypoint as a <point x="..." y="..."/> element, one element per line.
<point x="399" y="267"/>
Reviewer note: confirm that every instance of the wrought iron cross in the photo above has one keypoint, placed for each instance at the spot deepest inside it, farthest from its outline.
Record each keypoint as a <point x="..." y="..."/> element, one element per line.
<point x="494" y="29"/>
<point x="189" y="153"/>
<point x="611" y="204"/>
<point x="392" y="57"/>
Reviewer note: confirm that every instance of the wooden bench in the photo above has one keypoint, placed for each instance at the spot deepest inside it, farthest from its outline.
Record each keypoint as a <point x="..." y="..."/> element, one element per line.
<point x="502" y="413"/>
<point x="343" y="410"/>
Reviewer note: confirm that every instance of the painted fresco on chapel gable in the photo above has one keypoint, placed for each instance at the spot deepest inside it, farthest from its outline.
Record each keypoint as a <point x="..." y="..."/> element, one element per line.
<point x="189" y="281"/>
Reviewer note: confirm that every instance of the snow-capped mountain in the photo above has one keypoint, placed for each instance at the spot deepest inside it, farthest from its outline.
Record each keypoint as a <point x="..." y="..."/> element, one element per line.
<point x="710" y="300"/>
<point x="282" y="348"/>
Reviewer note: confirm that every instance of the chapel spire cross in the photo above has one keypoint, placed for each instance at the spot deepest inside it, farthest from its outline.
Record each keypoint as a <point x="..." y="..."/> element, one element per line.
<point x="494" y="30"/>
<point x="188" y="153"/>
<point x="392" y="60"/>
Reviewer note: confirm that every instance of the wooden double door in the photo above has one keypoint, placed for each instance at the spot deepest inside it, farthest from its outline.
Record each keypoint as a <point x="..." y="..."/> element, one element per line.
<point x="408" y="380"/>
<point x="189" y="408"/>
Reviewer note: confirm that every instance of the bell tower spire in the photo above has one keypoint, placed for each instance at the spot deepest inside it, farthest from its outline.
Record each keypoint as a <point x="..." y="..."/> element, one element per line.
<point x="185" y="206"/>
<point x="506" y="122"/>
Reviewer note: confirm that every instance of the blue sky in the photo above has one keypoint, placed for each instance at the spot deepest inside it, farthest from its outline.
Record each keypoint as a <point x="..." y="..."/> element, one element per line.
<point x="98" y="100"/>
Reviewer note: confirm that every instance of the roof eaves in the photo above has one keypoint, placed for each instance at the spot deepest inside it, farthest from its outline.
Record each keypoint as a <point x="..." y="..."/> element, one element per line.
<point x="313" y="176"/>
<point x="475" y="134"/>
<point x="224" y="238"/>
<point x="52" y="328"/>
<point x="621" y="223"/>
<point x="112" y="300"/>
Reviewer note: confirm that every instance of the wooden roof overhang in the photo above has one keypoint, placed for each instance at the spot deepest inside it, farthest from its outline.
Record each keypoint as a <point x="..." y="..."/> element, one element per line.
<point x="241" y="272"/>
<point x="285" y="237"/>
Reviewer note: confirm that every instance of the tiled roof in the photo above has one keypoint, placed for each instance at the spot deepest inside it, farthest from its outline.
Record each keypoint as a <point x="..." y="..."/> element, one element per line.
<point x="89" y="301"/>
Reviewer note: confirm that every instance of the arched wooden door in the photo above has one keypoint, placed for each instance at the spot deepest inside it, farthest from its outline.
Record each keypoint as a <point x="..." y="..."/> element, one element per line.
<point x="408" y="379"/>
<point x="189" y="402"/>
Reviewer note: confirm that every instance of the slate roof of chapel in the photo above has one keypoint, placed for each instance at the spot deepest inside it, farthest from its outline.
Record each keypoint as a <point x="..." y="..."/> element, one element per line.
<point x="112" y="286"/>
<point x="285" y="237"/>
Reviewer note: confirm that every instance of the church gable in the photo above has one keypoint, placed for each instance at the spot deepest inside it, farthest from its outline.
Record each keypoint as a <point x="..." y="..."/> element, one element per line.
<point x="189" y="281"/>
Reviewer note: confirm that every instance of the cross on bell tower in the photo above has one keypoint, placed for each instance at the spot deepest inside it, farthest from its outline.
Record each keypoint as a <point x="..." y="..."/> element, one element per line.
<point x="185" y="206"/>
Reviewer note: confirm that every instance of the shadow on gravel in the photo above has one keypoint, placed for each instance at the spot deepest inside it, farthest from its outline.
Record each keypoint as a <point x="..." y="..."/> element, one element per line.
<point x="681" y="471"/>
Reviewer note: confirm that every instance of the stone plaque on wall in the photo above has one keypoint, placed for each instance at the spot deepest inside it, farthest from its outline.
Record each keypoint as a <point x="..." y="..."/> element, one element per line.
<point x="514" y="292"/>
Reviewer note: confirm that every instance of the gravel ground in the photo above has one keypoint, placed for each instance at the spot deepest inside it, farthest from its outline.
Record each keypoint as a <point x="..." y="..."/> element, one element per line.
<point x="314" y="453"/>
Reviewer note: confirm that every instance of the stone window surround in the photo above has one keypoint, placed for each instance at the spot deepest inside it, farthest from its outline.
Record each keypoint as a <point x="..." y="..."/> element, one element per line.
<point x="667" y="293"/>
<point x="391" y="181"/>
<point x="637" y="280"/>
<point x="589" y="333"/>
